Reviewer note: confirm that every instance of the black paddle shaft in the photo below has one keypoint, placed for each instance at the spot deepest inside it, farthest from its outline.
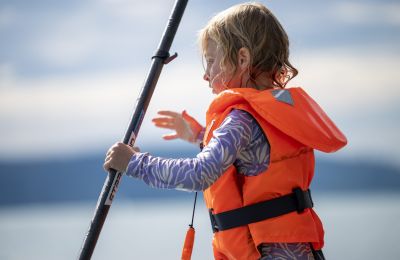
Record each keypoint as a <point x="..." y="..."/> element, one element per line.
<point x="113" y="178"/>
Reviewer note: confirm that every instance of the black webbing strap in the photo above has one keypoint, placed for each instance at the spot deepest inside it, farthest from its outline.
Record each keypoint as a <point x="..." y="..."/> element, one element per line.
<point x="298" y="201"/>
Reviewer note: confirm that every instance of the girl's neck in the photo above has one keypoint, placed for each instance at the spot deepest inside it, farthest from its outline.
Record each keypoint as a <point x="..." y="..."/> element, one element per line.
<point x="262" y="81"/>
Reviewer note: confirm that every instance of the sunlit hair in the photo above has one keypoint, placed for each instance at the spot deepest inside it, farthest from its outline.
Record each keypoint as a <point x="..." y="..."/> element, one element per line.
<point x="253" y="26"/>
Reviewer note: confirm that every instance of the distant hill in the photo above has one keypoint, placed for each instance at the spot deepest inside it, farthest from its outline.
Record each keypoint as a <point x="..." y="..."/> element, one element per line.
<point x="81" y="179"/>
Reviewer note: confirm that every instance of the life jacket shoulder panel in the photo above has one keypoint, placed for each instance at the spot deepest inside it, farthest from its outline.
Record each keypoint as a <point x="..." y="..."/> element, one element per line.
<point x="303" y="120"/>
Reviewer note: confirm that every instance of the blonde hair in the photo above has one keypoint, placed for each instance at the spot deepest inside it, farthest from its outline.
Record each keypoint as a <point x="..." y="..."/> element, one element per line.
<point x="253" y="26"/>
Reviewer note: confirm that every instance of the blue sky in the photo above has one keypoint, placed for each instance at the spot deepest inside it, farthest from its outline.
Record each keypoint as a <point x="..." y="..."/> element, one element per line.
<point x="70" y="71"/>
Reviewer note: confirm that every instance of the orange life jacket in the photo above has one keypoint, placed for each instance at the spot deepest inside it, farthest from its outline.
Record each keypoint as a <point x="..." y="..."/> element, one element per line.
<point x="294" y="125"/>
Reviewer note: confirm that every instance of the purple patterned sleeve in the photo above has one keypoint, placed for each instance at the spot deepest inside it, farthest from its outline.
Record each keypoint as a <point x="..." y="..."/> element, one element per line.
<point x="234" y="134"/>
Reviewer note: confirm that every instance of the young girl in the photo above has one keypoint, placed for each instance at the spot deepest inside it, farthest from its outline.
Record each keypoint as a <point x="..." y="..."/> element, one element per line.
<point x="257" y="160"/>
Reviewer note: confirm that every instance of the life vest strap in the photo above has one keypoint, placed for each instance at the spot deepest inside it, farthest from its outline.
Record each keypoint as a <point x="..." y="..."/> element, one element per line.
<point x="298" y="201"/>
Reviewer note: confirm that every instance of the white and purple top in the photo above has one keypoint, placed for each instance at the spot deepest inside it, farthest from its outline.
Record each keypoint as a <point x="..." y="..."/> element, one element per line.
<point x="239" y="140"/>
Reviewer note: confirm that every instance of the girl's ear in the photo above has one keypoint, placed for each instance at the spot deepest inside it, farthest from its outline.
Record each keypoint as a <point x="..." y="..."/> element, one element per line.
<point x="243" y="58"/>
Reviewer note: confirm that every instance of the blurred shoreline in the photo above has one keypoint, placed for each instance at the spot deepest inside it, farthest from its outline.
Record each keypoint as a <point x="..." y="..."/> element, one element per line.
<point x="81" y="179"/>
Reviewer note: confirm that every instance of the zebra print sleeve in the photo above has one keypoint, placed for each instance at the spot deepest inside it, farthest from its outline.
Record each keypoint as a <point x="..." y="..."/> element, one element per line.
<point x="195" y="174"/>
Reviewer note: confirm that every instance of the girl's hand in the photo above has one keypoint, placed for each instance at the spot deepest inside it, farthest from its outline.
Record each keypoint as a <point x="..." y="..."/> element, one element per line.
<point x="185" y="126"/>
<point x="118" y="157"/>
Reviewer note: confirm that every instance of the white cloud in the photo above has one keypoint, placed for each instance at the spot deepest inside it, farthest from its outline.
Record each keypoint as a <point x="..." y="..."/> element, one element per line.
<point x="51" y="116"/>
<point x="73" y="36"/>
<point x="68" y="39"/>
<point x="84" y="113"/>
<point x="368" y="13"/>
<point x="7" y="75"/>
<point x="137" y="9"/>
<point x="349" y="80"/>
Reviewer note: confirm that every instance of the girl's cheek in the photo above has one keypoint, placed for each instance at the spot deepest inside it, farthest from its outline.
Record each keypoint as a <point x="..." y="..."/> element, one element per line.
<point x="214" y="72"/>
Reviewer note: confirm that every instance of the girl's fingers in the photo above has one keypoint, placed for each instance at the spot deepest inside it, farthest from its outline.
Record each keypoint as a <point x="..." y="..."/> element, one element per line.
<point x="170" y="136"/>
<point x="109" y="152"/>
<point x="168" y="113"/>
<point x="167" y="126"/>
<point x="112" y="148"/>
<point x="107" y="165"/>
<point x="163" y="120"/>
<point x="118" y="156"/>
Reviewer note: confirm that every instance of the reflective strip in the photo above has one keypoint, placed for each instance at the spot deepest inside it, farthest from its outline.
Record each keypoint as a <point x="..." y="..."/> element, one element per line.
<point x="283" y="95"/>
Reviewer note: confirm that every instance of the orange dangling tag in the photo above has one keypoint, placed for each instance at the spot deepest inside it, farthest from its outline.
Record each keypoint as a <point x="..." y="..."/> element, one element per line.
<point x="188" y="246"/>
<point x="189" y="239"/>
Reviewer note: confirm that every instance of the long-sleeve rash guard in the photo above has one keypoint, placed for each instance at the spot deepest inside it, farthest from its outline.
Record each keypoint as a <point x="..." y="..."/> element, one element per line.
<point x="238" y="141"/>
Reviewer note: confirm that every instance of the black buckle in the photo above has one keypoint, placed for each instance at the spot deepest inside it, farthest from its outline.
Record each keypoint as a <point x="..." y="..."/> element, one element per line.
<point x="303" y="199"/>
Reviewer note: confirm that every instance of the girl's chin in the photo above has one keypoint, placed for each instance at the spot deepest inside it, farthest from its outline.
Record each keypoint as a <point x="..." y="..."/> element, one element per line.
<point x="216" y="91"/>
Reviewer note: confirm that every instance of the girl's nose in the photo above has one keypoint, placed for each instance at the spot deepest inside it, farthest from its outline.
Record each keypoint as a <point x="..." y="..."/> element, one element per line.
<point x="206" y="77"/>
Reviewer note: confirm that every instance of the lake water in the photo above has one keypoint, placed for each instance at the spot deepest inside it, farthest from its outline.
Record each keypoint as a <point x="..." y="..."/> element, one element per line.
<point x="357" y="226"/>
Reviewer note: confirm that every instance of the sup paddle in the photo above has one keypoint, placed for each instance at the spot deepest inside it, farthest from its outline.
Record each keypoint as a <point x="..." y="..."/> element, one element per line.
<point x="110" y="186"/>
